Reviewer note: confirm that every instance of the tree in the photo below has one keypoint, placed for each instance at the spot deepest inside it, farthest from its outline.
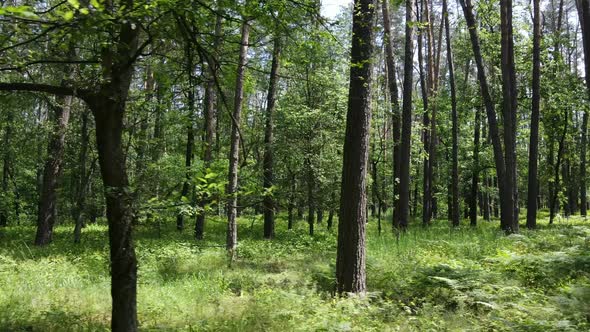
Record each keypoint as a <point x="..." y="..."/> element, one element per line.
<point x="268" y="173"/>
<point x="531" y="220"/>
<point x="393" y="95"/>
<point x="509" y="108"/>
<point x="506" y="205"/>
<point x="584" y="14"/>
<point x="403" y="206"/>
<point x="455" y="130"/>
<point x="232" y="186"/>
<point x="107" y="103"/>
<point x="350" y="262"/>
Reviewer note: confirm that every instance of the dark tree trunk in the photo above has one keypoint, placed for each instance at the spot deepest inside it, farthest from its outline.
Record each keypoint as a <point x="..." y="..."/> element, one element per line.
<point x="509" y="110"/>
<point x="393" y="95"/>
<point x="291" y="204"/>
<point x="268" y="172"/>
<point x="486" y="198"/>
<point x="584" y="14"/>
<point x="475" y="171"/>
<point x="46" y="217"/>
<point x="553" y="202"/>
<point x="310" y="196"/>
<point x="158" y="132"/>
<point x="108" y="116"/>
<point x="6" y="169"/>
<point x="83" y="177"/>
<point x="403" y="207"/>
<point x="350" y="263"/>
<point x="531" y="218"/>
<point x="232" y="186"/>
<point x="584" y="142"/>
<point x="455" y="130"/>
<point x="425" y="89"/>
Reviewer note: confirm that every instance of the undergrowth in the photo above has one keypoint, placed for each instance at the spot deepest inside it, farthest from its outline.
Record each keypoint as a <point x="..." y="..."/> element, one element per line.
<point x="428" y="279"/>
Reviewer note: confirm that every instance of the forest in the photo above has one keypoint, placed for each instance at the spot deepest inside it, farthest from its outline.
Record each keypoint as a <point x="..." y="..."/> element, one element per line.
<point x="294" y="165"/>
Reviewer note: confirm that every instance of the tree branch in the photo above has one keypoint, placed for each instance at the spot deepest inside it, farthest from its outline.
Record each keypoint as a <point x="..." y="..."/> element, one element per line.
<point x="51" y="89"/>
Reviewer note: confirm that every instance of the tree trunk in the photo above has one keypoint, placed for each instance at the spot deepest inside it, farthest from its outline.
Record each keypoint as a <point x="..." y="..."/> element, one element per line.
<point x="403" y="207"/>
<point x="109" y="128"/>
<point x="268" y="173"/>
<point x="531" y="219"/>
<point x="507" y="206"/>
<point x="455" y="130"/>
<point x="475" y="170"/>
<point x="46" y="217"/>
<point x="310" y="196"/>
<point x="190" y="129"/>
<point x="553" y="203"/>
<point x="393" y="96"/>
<point x="425" y="89"/>
<point x="350" y="263"/>
<point x="232" y="186"/>
<point x="83" y="177"/>
<point x="6" y="169"/>
<point x="210" y="126"/>
<point x="584" y="13"/>
<point x="509" y="110"/>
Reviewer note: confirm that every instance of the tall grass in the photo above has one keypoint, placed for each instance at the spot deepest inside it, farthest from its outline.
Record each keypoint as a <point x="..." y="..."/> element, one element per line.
<point x="434" y="278"/>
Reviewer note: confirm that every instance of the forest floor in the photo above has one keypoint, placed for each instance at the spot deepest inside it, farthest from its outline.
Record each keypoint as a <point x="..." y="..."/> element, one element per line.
<point x="432" y="279"/>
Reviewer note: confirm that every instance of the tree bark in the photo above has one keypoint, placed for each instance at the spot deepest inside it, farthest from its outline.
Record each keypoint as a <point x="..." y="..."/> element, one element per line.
<point x="584" y="13"/>
<point x="394" y="101"/>
<point x="52" y="170"/>
<point x="475" y="170"/>
<point x="455" y="129"/>
<point x="268" y="172"/>
<point x="403" y="207"/>
<point x="311" y="204"/>
<point x="509" y="110"/>
<point x="232" y="186"/>
<point x="6" y="169"/>
<point x="350" y="262"/>
<point x="83" y="177"/>
<point x="531" y="219"/>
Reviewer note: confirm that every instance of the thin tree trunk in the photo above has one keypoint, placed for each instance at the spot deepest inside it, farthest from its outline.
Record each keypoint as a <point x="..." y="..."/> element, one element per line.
<point x="403" y="207"/>
<point x="584" y="14"/>
<point x="425" y="89"/>
<point x="268" y="172"/>
<point x="531" y="219"/>
<point x="6" y="141"/>
<point x="52" y="170"/>
<point x="554" y="204"/>
<point x="455" y="130"/>
<point x="350" y="262"/>
<point x="475" y="170"/>
<point x="232" y="186"/>
<point x="394" y="102"/>
<point x="83" y="177"/>
<point x="310" y="196"/>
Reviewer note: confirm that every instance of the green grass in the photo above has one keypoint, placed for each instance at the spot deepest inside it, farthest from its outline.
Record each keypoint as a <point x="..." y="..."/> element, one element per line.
<point x="433" y="279"/>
